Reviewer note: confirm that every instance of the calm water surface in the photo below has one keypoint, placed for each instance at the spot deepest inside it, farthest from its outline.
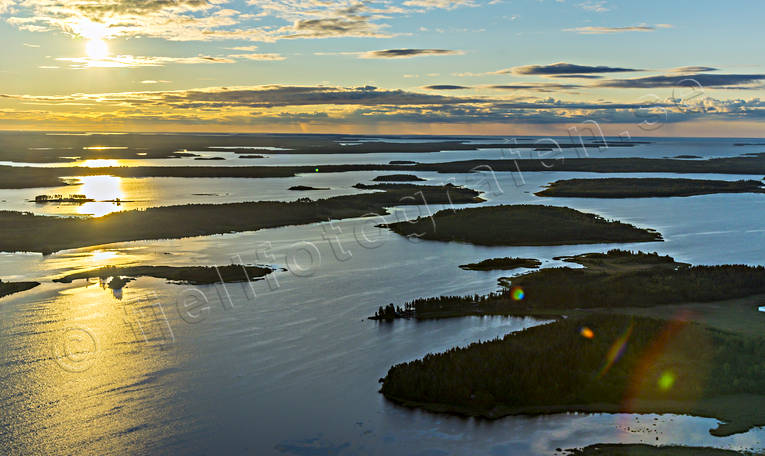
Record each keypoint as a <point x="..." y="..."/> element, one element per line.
<point x="290" y="366"/>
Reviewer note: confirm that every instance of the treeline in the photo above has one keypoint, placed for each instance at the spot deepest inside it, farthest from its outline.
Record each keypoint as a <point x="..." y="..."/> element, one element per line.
<point x="559" y="288"/>
<point x="522" y="225"/>
<point x="615" y="279"/>
<point x="554" y="365"/>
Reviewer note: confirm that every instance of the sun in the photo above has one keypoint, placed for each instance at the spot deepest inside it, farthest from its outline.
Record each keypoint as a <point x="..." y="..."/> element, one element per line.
<point x="97" y="49"/>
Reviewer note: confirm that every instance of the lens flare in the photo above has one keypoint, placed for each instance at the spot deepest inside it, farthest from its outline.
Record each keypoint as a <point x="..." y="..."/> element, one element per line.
<point x="616" y="351"/>
<point x="666" y="380"/>
<point x="587" y="333"/>
<point x="517" y="293"/>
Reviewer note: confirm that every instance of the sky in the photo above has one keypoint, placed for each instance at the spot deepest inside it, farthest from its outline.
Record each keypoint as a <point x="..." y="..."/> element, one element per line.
<point x="535" y="67"/>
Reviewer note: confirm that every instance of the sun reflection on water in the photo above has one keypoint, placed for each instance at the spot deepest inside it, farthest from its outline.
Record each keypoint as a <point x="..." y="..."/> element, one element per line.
<point x="99" y="163"/>
<point x="105" y="190"/>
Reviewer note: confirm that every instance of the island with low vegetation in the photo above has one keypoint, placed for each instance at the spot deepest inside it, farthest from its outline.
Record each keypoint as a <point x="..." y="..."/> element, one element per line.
<point x="398" y="178"/>
<point x="252" y="156"/>
<point x="505" y="263"/>
<point x="25" y="232"/>
<point x="9" y="288"/>
<point x="527" y="225"/>
<point x="646" y="187"/>
<point x="192" y="275"/>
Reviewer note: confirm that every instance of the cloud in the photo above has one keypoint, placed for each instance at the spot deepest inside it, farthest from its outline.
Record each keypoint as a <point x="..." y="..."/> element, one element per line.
<point x="543" y="87"/>
<point x="131" y="61"/>
<point x="591" y="30"/>
<point x="687" y="80"/>
<point x="271" y="57"/>
<point x="692" y="69"/>
<point x="595" y="6"/>
<point x="31" y="45"/>
<point x="446" y="87"/>
<point x="358" y="106"/>
<point x="206" y="20"/>
<point x="443" y="4"/>
<point x="152" y="81"/>
<point x="406" y="53"/>
<point x="563" y="68"/>
<point x="244" y="48"/>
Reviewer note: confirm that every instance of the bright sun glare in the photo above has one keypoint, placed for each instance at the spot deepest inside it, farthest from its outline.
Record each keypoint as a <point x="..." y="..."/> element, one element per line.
<point x="97" y="49"/>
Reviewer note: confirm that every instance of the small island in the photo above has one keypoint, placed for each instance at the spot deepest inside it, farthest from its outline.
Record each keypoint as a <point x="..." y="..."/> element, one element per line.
<point x="192" y="275"/>
<point x="9" y="288"/>
<point x="303" y="188"/>
<point x="505" y="263"/>
<point x="688" y="157"/>
<point x="522" y="225"/>
<point x="646" y="187"/>
<point x="209" y="158"/>
<point x="252" y="156"/>
<point x="402" y="162"/>
<point x="398" y="178"/>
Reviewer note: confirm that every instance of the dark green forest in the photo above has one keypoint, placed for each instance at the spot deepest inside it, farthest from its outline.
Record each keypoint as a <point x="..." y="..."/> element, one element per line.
<point x="522" y="225"/>
<point x="555" y="365"/>
<point x="646" y="187"/>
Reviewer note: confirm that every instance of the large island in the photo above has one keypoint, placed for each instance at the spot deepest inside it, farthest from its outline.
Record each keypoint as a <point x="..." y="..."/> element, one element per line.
<point x="522" y="225"/>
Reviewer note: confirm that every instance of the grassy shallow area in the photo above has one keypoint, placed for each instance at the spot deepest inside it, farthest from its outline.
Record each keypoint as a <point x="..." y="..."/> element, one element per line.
<point x="9" y="288"/>
<point x="646" y="187"/>
<point x="595" y="363"/>
<point x="45" y="234"/>
<point x="194" y="275"/>
<point x="505" y="263"/>
<point x="636" y="449"/>
<point x="522" y="225"/>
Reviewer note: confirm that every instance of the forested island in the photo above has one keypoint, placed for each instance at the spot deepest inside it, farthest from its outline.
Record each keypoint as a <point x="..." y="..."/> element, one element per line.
<point x="522" y="225"/>
<point x="31" y="177"/>
<point x="615" y="280"/>
<point x="637" y="337"/>
<point x="571" y="365"/>
<point x="505" y="263"/>
<point x="193" y="275"/>
<point x="24" y="232"/>
<point x="646" y="187"/>
<point x="9" y="288"/>
<point x="304" y="188"/>
<point x="638" y="449"/>
<point x="398" y="178"/>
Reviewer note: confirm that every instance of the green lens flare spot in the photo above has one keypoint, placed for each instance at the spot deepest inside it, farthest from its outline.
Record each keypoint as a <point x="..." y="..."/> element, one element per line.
<point x="666" y="381"/>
